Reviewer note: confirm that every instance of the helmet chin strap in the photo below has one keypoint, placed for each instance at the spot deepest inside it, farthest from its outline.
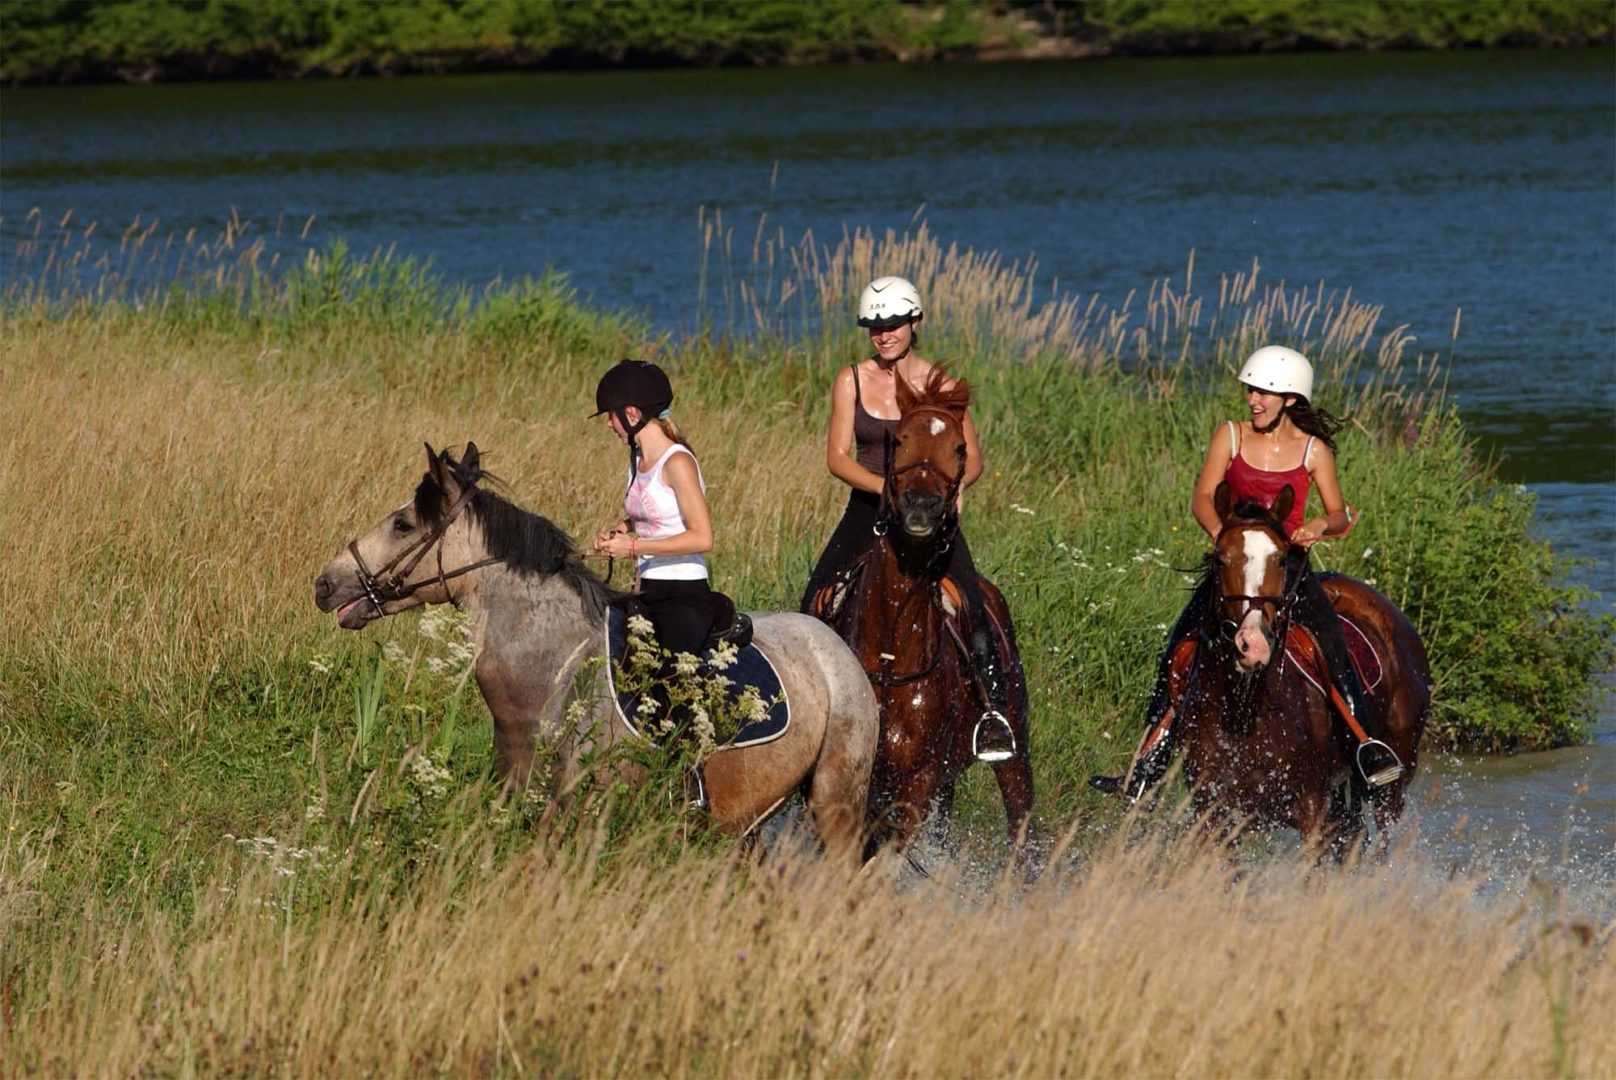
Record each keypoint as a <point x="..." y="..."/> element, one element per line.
<point x="1272" y="426"/>
<point x="633" y="433"/>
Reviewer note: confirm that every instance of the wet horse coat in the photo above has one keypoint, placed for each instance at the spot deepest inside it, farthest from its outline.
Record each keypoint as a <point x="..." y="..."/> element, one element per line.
<point x="538" y="615"/>
<point x="1261" y="738"/>
<point x="897" y="622"/>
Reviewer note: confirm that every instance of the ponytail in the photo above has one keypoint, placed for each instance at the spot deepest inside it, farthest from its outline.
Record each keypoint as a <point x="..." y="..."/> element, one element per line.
<point x="671" y="429"/>
<point x="1315" y="422"/>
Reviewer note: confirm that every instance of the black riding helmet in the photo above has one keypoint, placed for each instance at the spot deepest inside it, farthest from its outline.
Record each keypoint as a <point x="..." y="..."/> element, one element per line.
<point x="639" y="383"/>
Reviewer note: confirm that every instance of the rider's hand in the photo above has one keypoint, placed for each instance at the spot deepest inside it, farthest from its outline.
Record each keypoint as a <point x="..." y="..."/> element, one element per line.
<point x="618" y="545"/>
<point x="617" y="529"/>
<point x="1306" y="535"/>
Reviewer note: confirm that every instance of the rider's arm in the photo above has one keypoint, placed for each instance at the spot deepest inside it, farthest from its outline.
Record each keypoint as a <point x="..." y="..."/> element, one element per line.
<point x="680" y="474"/>
<point x="839" y="443"/>
<point x="973" y="454"/>
<point x="1335" y="522"/>
<point x="1218" y="453"/>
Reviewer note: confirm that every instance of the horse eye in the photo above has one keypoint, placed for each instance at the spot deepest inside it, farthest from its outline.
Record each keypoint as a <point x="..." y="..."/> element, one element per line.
<point x="401" y="524"/>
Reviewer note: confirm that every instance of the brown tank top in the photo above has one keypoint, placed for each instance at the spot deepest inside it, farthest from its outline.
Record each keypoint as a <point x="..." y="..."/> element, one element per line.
<point x="869" y="432"/>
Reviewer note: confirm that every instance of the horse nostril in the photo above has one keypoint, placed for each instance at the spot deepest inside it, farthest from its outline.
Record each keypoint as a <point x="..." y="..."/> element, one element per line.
<point x="322" y="589"/>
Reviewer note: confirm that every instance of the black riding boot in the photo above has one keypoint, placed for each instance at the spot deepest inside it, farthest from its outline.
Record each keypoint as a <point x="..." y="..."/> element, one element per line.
<point x="993" y="739"/>
<point x="1377" y="762"/>
<point x="1155" y="753"/>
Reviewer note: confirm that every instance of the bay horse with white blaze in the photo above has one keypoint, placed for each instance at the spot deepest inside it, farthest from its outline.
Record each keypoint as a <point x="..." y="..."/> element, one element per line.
<point x="908" y="625"/>
<point x="538" y="615"/>
<point x="1264" y="738"/>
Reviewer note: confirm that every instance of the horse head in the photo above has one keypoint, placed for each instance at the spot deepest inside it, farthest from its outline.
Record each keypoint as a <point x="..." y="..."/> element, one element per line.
<point x="1254" y="574"/>
<point x="409" y="557"/>
<point x="926" y="458"/>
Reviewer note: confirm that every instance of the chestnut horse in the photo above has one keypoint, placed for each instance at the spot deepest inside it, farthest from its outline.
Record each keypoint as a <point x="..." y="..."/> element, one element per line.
<point x="1261" y="739"/>
<point x="538" y="614"/>
<point x="898" y="621"/>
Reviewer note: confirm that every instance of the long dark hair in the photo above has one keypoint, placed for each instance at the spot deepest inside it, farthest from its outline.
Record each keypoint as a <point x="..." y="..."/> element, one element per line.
<point x="1315" y="422"/>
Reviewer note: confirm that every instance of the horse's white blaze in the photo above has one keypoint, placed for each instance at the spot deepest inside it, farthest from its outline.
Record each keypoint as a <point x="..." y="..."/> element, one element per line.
<point x="937" y="425"/>
<point x="1259" y="549"/>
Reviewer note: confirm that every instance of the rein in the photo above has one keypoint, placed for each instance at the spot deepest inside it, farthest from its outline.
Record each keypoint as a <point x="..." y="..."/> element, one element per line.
<point x="390" y="582"/>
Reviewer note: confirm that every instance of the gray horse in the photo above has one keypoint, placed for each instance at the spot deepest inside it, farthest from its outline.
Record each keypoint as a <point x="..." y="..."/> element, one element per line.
<point x="537" y="615"/>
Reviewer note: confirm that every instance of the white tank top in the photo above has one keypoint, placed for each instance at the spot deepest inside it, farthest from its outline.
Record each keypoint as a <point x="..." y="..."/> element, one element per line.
<point x="653" y="510"/>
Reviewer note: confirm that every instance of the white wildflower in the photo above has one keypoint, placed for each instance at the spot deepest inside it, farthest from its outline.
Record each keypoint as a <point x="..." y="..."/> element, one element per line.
<point x="431" y="778"/>
<point x="702" y="725"/>
<point x="320" y="664"/>
<point x="394" y="654"/>
<point x="724" y="656"/>
<point x="647" y="705"/>
<point x="685" y="664"/>
<point x="1018" y="508"/>
<point x="1367" y="552"/>
<point x="640" y="626"/>
<point x="314" y="810"/>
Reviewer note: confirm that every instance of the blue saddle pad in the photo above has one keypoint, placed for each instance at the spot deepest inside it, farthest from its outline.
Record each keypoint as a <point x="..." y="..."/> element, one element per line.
<point x="751" y="668"/>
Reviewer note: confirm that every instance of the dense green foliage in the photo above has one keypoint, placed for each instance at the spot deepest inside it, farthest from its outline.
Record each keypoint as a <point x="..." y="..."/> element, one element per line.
<point x="70" y="40"/>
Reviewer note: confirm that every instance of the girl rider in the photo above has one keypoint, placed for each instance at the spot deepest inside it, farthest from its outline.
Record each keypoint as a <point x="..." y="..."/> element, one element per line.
<point x="666" y="528"/>
<point x="1287" y="443"/>
<point x="863" y="414"/>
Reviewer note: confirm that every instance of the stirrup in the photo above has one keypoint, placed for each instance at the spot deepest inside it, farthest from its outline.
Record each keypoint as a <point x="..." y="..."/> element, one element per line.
<point x="695" y="788"/>
<point x="993" y="750"/>
<point x="1383" y="773"/>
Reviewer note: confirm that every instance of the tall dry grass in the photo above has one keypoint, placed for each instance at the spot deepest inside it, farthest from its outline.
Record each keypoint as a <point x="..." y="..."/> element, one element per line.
<point x="1153" y="960"/>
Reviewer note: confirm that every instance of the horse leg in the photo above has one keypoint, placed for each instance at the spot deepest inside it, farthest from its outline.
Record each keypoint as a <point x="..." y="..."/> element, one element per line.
<point x="910" y="803"/>
<point x="1015" y="790"/>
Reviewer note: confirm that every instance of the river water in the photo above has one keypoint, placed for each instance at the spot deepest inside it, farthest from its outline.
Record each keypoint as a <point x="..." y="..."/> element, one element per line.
<point x="1426" y="182"/>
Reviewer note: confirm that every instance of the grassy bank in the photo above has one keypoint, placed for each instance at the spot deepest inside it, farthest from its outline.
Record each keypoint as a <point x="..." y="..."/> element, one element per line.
<point x="50" y="41"/>
<point x="237" y="838"/>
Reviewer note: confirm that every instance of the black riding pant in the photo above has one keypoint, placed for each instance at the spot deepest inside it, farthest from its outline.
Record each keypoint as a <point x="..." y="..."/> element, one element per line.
<point x="856" y="532"/>
<point x="680" y="611"/>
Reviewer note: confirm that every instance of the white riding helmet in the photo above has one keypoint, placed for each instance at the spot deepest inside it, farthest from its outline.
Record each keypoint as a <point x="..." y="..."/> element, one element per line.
<point x="1279" y="371"/>
<point x="887" y="302"/>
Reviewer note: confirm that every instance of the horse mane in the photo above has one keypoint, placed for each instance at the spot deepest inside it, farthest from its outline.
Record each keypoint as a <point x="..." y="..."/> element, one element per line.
<point x="524" y="541"/>
<point x="936" y="394"/>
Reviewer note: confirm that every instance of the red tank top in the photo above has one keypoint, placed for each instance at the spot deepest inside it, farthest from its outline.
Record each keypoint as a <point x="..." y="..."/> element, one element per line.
<point x="1247" y="483"/>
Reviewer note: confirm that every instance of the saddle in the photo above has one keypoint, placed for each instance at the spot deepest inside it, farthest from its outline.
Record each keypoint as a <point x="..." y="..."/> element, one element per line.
<point x="750" y="672"/>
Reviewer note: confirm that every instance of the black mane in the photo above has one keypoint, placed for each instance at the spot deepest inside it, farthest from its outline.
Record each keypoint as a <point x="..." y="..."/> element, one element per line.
<point x="523" y="541"/>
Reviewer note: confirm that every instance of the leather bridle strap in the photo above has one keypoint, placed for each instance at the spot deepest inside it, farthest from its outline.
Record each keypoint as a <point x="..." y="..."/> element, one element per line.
<point x="390" y="582"/>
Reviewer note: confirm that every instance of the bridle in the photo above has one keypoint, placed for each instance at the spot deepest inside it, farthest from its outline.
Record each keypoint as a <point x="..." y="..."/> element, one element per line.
<point x="1283" y="603"/>
<point x="950" y="522"/>
<point x="390" y="582"/>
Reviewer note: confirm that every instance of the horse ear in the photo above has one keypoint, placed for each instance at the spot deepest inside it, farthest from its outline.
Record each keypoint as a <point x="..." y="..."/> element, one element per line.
<point x="471" y="467"/>
<point x="1220" y="500"/>
<point x="434" y="465"/>
<point x="1283" y="502"/>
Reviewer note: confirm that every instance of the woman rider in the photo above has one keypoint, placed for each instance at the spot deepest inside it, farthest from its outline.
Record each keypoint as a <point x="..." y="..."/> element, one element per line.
<point x="1287" y="443"/>
<point x="863" y="415"/>
<point x="665" y="527"/>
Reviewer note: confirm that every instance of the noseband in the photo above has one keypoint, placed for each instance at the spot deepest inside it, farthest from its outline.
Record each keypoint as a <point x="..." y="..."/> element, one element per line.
<point x="390" y="582"/>
<point x="1282" y="602"/>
